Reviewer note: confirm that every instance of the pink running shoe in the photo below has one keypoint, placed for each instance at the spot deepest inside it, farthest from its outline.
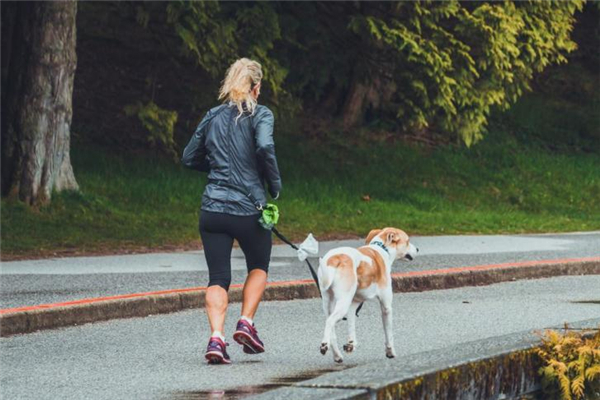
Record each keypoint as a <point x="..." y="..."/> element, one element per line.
<point x="247" y="336"/>
<point x="216" y="352"/>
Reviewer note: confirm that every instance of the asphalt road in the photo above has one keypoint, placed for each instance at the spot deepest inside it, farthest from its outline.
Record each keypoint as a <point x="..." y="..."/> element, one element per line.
<point x="161" y="357"/>
<point x="25" y="283"/>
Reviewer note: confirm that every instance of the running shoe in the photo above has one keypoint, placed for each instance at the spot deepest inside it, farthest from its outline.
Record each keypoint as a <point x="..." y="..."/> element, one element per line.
<point x="247" y="336"/>
<point x="216" y="352"/>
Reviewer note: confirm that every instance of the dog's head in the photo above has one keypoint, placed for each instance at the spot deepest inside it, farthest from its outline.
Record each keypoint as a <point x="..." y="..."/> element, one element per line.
<point x="395" y="239"/>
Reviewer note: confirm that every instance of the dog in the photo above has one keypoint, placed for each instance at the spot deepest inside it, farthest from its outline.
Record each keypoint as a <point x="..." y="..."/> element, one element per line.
<point x="349" y="276"/>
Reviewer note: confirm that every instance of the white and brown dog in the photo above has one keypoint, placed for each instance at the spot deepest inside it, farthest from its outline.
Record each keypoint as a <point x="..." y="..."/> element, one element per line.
<point x="349" y="276"/>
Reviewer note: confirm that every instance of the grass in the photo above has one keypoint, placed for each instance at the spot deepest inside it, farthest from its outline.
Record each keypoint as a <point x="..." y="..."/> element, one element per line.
<point x="333" y="188"/>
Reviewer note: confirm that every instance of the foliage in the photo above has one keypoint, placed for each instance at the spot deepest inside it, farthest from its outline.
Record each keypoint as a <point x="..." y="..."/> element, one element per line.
<point x="159" y="124"/>
<point x="210" y="39"/>
<point x="571" y="367"/>
<point x="453" y="62"/>
<point x="430" y="65"/>
<point x="418" y="67"/>
<point x="219" y="33"/>
<point x="562" y="112"/>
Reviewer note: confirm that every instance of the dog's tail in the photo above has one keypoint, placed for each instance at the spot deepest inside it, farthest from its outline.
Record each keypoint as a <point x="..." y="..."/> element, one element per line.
<point x="326" y="275"/>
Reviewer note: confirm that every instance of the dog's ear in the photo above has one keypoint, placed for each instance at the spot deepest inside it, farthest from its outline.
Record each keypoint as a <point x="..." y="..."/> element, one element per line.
<point x="372" y="234"/>
<point x="392" y="237"/>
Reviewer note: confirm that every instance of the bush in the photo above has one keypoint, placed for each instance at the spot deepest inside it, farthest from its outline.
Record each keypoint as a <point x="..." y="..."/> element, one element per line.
<point x="571" y="367"/>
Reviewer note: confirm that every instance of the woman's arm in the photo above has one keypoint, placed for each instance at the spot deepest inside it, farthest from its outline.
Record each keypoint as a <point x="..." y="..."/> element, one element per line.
<point x="265" y="150"/>
<point x="194" y="154"/>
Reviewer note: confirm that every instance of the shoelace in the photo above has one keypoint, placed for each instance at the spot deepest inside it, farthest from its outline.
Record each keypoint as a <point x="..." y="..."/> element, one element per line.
<point x="252" y="328"/>
<point x="219" y="344"/>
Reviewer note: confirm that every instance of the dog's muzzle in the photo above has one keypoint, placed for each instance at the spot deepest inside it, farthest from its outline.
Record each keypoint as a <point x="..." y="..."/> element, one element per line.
<point x="411" y="253"/>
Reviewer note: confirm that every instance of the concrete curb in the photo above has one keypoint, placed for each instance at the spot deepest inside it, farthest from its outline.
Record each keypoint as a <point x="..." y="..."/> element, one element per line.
<point x="496" y="368"/>
<point x="48" y="316"/>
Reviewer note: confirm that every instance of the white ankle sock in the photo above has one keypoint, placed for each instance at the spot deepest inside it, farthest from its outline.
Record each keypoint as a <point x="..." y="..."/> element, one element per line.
<point x="218" y="334"/>
<point x="247" y="319"/>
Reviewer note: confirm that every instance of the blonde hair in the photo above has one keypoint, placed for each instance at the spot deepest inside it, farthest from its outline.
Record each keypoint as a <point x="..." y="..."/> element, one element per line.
<point x="239" y="80"/>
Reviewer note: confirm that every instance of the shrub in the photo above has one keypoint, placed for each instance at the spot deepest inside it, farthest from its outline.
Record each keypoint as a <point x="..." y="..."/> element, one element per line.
<point x="571" y="365"/>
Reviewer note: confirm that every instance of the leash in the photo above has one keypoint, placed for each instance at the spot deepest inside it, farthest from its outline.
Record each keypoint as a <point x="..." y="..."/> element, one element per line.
<point x="293" y="246"/>
<point x="312" y="270"/>
<point x="260" y="207"/>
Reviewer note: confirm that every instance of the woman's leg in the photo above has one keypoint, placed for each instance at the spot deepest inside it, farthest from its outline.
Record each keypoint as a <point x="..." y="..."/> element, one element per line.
<point x="216" y="307"/>
<point x="254" y="287"/>
<point x="217" y="250"/>
<point x="256" y="244"/>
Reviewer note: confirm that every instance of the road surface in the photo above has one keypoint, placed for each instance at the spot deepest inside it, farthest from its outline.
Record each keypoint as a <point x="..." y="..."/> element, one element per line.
<point x="26" y="283"/>
<point x="161" y="357"/>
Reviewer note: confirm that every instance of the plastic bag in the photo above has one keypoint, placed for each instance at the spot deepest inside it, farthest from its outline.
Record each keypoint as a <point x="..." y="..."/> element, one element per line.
<point x="310" y="246"/>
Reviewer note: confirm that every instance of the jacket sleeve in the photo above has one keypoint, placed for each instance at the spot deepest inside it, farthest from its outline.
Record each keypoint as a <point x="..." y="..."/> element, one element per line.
<point x="194" y="154"/>
<point x="265" y="151"/>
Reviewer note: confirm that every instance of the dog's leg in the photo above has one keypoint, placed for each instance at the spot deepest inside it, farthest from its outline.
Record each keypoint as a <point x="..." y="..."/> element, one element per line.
<point x="340" y="309"/>
<point x="327" y="306"/>
<point x="385" y="301"/>
<point x="351" y="317"/>
<point x="337" y="354"/>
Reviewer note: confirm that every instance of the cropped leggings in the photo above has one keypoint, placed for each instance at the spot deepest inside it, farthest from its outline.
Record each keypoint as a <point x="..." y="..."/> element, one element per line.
<point x="218" y="231"/>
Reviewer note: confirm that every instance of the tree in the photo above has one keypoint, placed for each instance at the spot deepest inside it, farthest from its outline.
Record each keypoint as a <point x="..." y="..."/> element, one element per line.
<point x="426" y="64"/>
<point x="38" y="68"/>
<point x="453" y="62"/>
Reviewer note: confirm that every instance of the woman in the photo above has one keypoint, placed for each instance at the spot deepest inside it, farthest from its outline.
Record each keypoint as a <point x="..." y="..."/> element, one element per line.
<point x="234" y="143"/>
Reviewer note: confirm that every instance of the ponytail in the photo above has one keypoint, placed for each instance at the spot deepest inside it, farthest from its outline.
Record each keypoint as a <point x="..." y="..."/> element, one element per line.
<point x="240" y="79"/>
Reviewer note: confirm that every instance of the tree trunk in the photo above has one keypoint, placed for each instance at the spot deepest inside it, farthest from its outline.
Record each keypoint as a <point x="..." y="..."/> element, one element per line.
<point x="353" y="111"/>
<point x="38" y="71"/>
<point x="373" y="93"/>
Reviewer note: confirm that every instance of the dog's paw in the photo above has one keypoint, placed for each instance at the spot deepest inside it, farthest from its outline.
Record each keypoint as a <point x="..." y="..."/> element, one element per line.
<point x="349" y="347"/>
<point x="390" y="352"/>
<point x="338" y="359"/>
<point x="324" y="348"/>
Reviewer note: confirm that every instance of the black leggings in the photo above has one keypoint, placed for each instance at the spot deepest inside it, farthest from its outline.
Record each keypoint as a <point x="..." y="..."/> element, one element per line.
<point x="218" y="230"/>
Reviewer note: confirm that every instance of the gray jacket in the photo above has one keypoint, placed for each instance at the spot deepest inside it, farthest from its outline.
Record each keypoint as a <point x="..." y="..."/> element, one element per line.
<point x="240" y="153"/>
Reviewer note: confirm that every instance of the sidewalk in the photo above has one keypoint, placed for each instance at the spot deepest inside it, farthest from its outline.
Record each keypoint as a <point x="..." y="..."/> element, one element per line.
<point x="444" y="261"/>
<point x="32" y="282"/>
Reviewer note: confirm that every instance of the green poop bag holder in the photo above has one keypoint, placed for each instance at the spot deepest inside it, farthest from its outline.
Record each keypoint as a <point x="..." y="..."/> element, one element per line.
<point x="269" y="217"/>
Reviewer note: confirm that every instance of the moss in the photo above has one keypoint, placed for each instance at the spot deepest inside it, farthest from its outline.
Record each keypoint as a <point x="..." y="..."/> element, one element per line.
<point x="511" y="374"/>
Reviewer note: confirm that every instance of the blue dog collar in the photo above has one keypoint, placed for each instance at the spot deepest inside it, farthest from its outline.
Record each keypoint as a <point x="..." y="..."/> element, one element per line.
<point x="380" y="244"/>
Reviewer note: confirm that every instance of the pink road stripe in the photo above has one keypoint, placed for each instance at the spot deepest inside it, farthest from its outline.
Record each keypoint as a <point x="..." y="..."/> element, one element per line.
<point x="495" y="266"/>
<point x="295" y="282"/>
